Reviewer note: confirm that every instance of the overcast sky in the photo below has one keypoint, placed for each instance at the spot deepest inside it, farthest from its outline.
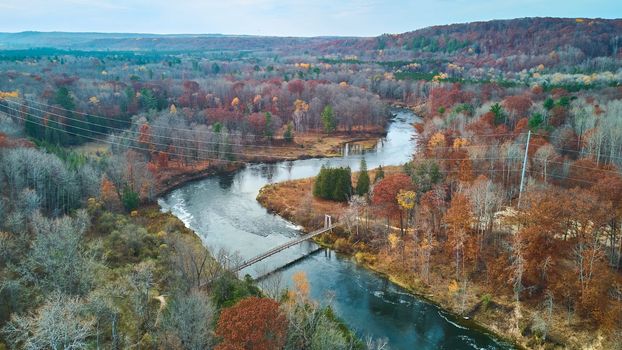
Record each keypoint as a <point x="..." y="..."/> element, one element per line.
<point x="279" y="17"/>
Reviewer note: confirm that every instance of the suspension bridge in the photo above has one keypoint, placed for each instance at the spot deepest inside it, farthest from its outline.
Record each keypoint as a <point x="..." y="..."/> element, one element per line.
<point x="282" y="247"/>
<point x="328" y="226"/>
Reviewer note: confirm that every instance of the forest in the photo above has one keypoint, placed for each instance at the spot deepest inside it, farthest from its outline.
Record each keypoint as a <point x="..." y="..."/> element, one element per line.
<point x="90" y="138"/>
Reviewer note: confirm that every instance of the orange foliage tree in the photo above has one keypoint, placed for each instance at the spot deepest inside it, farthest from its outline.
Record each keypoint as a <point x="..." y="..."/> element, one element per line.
<point x="253" y="323"/>
<point x="459" y="219"/>
<point x="384" y="195"/>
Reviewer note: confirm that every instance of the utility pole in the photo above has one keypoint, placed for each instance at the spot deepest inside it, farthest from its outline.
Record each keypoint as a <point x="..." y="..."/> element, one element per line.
<point x="522" y="176"/>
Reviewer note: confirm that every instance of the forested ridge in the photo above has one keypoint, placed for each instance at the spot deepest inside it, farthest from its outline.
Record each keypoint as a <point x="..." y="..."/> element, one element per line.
<point x="89" y="138"/>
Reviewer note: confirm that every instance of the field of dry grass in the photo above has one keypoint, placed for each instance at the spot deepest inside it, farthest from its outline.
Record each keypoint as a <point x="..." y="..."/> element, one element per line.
<point x="311" y="145"/>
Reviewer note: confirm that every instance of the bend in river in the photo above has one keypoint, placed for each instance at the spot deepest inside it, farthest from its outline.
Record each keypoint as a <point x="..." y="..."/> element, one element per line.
<point x="224" y="212"/>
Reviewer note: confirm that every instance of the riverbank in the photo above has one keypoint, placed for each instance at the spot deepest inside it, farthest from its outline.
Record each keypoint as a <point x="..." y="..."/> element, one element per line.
<point x="305" y="146"/>
<point x="484" y="306"/>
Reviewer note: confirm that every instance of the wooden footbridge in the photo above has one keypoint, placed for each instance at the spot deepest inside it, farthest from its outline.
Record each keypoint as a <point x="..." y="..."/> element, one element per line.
<point x="328" y="225"/>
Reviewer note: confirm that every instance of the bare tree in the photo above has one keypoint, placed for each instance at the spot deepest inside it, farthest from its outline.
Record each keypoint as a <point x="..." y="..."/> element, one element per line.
<point x="58" y="324"/>
<point x="193" y="262"/>
<point x="57" y="260"/>
<point x="187" y="322"/>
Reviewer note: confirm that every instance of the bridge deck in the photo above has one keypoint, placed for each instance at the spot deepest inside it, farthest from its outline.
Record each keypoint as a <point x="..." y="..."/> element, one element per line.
<point x="281" y="247"/>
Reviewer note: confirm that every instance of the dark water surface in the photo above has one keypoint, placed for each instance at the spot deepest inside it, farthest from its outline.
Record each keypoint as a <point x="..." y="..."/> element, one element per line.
<point x="224" y="212"/>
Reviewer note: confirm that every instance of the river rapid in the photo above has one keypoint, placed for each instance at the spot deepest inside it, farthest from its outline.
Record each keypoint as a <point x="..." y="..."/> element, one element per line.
<point x="223" y="211"/>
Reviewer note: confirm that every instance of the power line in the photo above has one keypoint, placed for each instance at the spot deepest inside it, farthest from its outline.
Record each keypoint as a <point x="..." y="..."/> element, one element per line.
<point x="585" y="167"/>
<point x="467" y="146"/>
<point x="571" y="178"/>
<point x="183" y="147"/>
<point x="130" y="146"/>
<point x="135" y="140"/>
<point x="112" y="119"/>
<point x="154" y="126"/>
<point x="157" y="127"/>
<point x="241" y="162"/>
<point x="472" y="159"/>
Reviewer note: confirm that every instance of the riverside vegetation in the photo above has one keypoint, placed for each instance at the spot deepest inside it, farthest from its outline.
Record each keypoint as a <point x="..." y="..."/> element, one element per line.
<point x="90" y="137"/>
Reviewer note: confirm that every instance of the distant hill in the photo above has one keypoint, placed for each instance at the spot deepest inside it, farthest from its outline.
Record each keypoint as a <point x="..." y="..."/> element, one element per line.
<point x="149" y="42"/>
<point x="525" y="36"/>
<point x="530" y="36"/>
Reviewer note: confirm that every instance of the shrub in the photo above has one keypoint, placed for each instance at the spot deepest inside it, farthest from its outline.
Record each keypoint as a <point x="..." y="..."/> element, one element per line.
<point x="486" y="299"/>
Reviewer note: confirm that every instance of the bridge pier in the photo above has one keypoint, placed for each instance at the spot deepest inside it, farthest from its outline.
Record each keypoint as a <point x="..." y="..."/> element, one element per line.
<point x="328" y="222"/>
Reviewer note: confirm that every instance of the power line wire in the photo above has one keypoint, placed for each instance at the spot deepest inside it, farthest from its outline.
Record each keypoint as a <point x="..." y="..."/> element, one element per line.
<point x="158" y="127"/>
<point x="136" y="140"/>
<point x="130" y="146"/>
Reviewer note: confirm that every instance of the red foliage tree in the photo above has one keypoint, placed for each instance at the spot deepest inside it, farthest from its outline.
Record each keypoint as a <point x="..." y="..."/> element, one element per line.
<point x="518" y="105"/>
<point x="445" y="98"/>
<point x="144" y="135"/>
<point x="384" y="195"/>
<point x="253" y="323"/>
<point x="296" y="87"/>
<point x="257" y="122"/>
<point x="584" y="173"/>
<point x="558" y="116"/>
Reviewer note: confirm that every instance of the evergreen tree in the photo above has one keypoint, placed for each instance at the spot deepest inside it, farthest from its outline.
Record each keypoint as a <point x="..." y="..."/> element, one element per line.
<point x="328" y="119"/>
<point x="379" y="174"/>
<point x="499" y="113"/>
<point x="64" y="99"/>
<point x="130" y="199"/>
<point x="148" y="100"/>
<point x="73" y="126"/>
<point x="333" y="183"/>
<point x="362" y="183"/>
<point x="288" y="135"/>
<point x="32" y="128"/>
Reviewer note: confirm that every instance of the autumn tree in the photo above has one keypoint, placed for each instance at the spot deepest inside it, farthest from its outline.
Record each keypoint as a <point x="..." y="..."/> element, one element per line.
<point x="517" y="106"/>
<point x="459" y="219"/>
<point x="407" y="201"/>
<point x="253" y="323"/>
<point x="309" y="324"/>
<point x="385" y="193"/>
<point x="609" y="189"/>
<point x="539" y="251"/>
<point x="485" y="198"/>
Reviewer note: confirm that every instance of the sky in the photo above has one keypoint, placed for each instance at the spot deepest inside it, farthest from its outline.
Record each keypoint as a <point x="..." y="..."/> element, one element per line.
<point x="279" y="17"/>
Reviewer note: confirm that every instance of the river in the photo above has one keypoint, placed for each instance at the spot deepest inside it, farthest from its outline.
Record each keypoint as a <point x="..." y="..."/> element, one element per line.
<point x="224" y="212"/>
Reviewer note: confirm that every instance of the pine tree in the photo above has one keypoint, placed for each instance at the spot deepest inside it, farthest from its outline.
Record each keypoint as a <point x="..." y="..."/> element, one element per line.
<point x="328" y="119"/>
<point x="379" y="174"/>
<point x="362" y="183"/>
<point x="288" y="135"/>
<point x="334" y="184"/>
